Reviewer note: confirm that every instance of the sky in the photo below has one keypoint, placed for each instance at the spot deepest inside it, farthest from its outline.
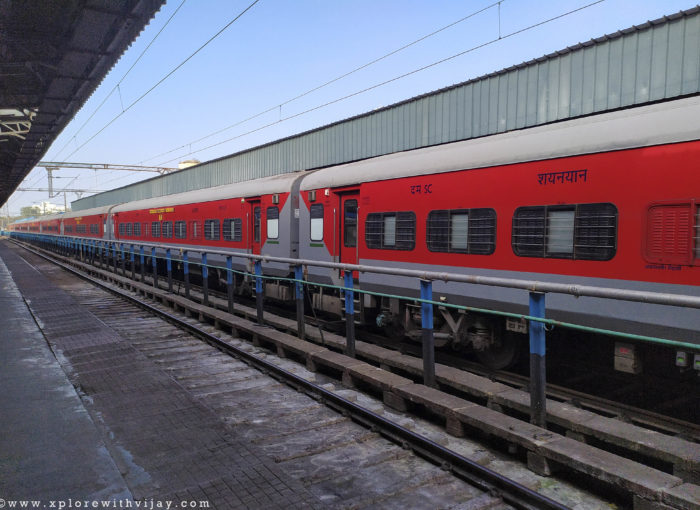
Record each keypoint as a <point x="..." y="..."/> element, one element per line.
<point x="280" y="49"/>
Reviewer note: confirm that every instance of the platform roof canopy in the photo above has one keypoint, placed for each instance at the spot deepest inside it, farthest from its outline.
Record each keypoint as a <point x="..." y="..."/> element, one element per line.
<point x="53" y="55"/>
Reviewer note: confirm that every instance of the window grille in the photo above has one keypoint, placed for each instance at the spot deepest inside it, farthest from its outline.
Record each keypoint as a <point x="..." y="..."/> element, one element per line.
<point x="390" y="230"/>
<point x="167" y="229"/>
<point x="180" y="230"/>
<point x="471" y="231"/>
<point x="233" y="229"/>
<point x="583" y="231"/>
<point x="212" y="230"/>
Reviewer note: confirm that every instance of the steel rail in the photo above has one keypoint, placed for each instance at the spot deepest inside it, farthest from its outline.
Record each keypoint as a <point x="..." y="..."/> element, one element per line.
<point x="481" y="477"/>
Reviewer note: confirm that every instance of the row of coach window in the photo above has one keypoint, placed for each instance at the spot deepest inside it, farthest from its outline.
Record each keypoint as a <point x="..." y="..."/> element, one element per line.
<point x="582" y="231"/>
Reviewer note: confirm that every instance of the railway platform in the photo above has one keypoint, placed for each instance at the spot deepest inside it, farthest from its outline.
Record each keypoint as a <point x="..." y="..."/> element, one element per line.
<point x="148" y="440"/>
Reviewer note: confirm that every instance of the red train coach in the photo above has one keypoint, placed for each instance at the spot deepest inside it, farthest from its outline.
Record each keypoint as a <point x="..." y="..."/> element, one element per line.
<point x="248" y="217"/>
<point x="609" y="200"/>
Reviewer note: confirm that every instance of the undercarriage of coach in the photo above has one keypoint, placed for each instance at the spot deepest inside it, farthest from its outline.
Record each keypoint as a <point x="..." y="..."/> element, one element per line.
<point x="497" y="342"/>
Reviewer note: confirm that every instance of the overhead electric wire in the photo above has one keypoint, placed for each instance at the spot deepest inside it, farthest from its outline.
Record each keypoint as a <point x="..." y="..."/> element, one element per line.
<point x="116" y="87"/>
<point x="367" y="89"/>
<point x="329" y="82"/>
<point x="165" y="77"/>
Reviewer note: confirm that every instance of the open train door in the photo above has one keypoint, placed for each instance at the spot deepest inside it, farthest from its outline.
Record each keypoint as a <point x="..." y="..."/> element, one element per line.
<point x="348" y="243"/>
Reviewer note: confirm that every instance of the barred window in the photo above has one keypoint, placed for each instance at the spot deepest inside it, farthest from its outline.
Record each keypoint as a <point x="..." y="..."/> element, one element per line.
<point x="196" y="229"/>
<point x="155" y="229"/>
<point x="233" y="229"/>
<point x="180" y="230"/>
<point x="316" y="214"/>
<point x="69" y="228"/>
<point x="94" y="228"/>
<point x="583" y="231"/>
<point x="80" y="229"/>
<point x="168" y="229"/>
<point x="471" y="231"/>
<point x="122" y="229"/>
<point x="212" y="230"/>
<point x="137" y="229"/>
<point x="128" y="229"/>
<point x="391" y="230"/>
<point x="273" y="223"/>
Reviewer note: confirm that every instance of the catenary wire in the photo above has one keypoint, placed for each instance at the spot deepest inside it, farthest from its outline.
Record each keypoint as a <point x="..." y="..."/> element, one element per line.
<point x="329" y="82"/>
<point x="120" y="81"/>
<point x="164" y="78"/>
<point x="396" y="78"/>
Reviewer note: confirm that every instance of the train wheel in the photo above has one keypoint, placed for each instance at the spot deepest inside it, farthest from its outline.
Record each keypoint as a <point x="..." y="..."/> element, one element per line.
<point x="504" y="354"/>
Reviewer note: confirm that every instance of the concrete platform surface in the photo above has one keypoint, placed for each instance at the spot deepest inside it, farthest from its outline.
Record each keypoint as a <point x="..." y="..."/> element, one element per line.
<point x="50" y="448"/>
<point x="130" y="432"/>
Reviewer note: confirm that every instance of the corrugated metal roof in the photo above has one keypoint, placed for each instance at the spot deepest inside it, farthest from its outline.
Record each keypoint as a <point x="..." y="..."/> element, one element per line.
<point x="668" y="122"/>
<point x="53" y="55"/>
<point x="656" y="61"/>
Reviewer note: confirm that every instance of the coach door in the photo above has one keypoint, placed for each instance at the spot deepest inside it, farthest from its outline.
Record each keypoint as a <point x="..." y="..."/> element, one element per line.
<point x="255" y="227"/>
<point x="348" y="242"/>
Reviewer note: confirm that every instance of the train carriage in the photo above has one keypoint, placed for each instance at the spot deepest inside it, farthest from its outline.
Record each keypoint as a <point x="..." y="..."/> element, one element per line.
<point x="92" y="223"/>
<point x="248" y="217"/>
<point x="608" y="200"/>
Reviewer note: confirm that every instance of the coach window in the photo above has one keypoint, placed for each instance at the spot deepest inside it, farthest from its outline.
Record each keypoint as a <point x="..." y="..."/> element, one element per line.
<point x="180" y="230"/>
<point x="233" y="229"/>
<point x="137" y="229"/>
<point x="350" y="224"/>
<point x="583" y="231"/>
<point x="155" y="229"/>
<point x="316" y="213"/>
<point x="391" y="230"/>
<point x="471" y="231"/>
<point x="196" y="229"/>
<point x="122" y="229"/>
<point x="212" y="230"/>
<point x="168" y="229"/>
<point x="273" y="223"/>
<point x="256" y="225"/>
<point x="128" y="229"/>
<point x="673" y="233"/>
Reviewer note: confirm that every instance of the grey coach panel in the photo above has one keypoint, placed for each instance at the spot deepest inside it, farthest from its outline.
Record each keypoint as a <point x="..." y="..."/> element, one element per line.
<point x="656" y="61"/>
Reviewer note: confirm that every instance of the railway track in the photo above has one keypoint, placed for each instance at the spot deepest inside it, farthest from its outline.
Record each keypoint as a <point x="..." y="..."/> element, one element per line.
<point x="345" y="447"/>
<point x="327" y="398"/>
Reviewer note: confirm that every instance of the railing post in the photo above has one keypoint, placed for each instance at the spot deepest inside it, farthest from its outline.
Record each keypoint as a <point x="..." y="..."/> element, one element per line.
<point x="205" y="280"/>
<point x="114" y="257"/>
<point x="426" y="293"/>
<point x="186" y="273"/>
<point x="259" y="291"/>
<point x="349" y="315"/>
<point x="229" y="282"/>
<point x="102" y="254"/>
<point x="154" y="266"/>
<point x="142" y="263"/>
<point x="538" y="384"/>
<point x="121" y="250"/>
<point x="169" y="262"/>
<point x="133" y="263"/>
<point x="299" y="287"/>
